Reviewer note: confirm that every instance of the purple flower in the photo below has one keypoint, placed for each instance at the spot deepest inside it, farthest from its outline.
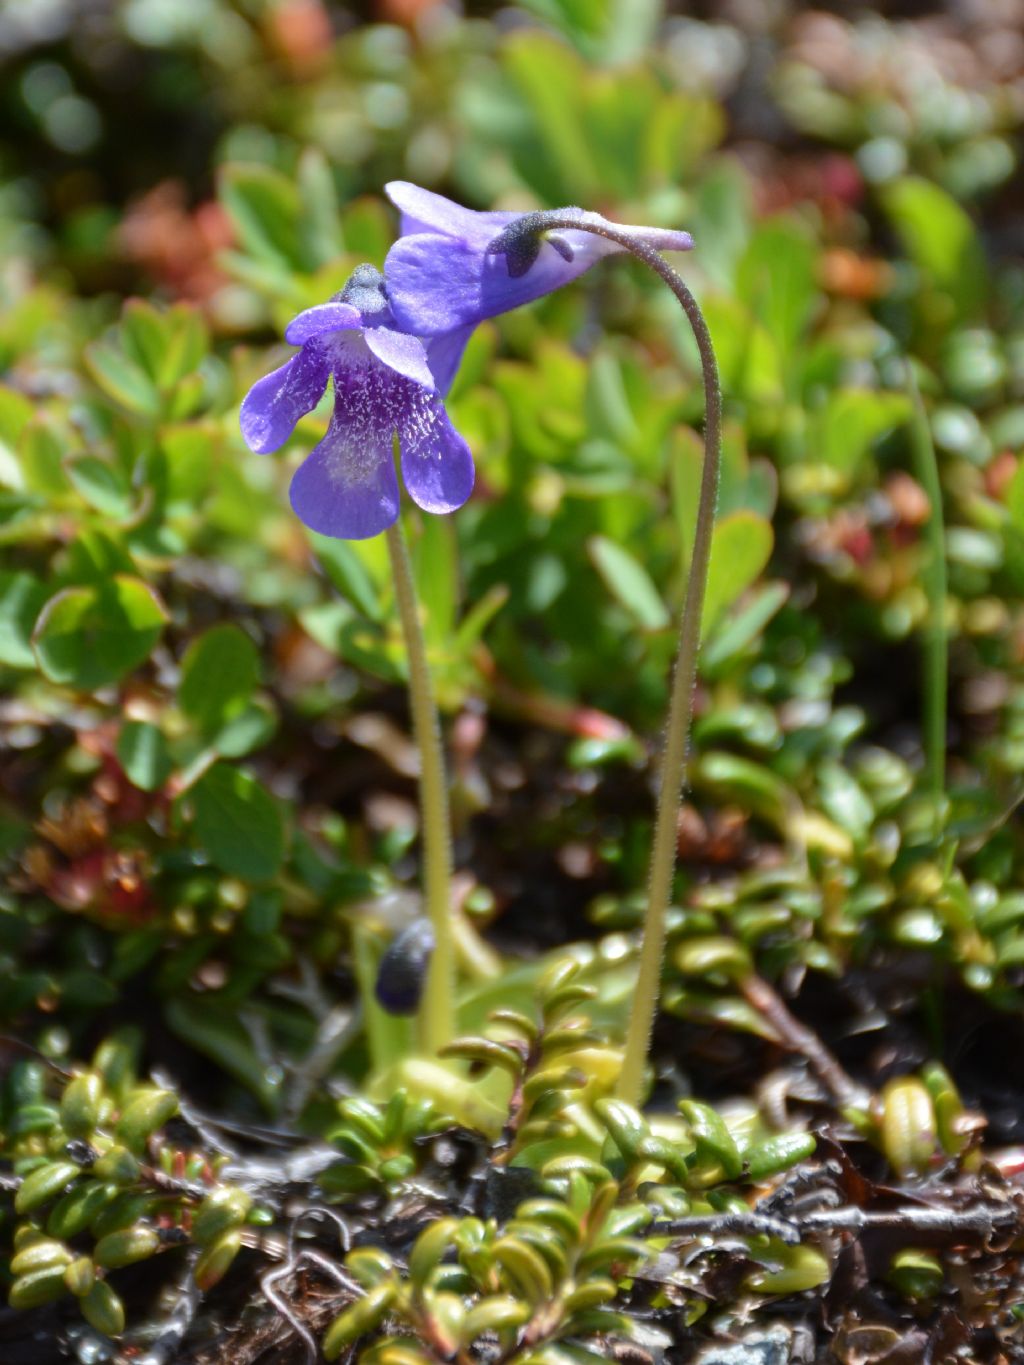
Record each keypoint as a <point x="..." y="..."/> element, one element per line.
<point x="385" y="382"/>
<point x="443" y="280"/>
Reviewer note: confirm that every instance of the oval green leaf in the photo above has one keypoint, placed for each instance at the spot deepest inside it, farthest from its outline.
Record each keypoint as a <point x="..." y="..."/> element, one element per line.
<point x="89" y="637"/>
<point x="238" y="823"/>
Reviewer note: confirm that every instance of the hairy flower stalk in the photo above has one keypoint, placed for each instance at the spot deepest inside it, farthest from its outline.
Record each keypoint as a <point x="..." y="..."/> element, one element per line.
<point x="520" y="243"/>
<point x="437" y="1008"/>
<point x="388" y="385"/>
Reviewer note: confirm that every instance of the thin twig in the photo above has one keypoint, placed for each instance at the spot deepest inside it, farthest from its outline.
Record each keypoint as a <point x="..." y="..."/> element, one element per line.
<point x="981" y="1220"/>
<point x="744" y="1224"/>
<point x="272" y="1278"/>
<point x="175" y="1326"/>
<point x="334" y="1032"/>
<point x="799" y="1038"/>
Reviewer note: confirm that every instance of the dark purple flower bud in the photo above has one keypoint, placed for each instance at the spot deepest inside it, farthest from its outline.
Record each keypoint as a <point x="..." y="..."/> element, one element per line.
<point x="402" y="973"/>
<point x="448" y="271"/>
<point x="385" y="383"/>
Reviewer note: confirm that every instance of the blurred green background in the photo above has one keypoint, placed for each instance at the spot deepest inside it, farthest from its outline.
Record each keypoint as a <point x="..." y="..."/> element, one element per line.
<point x="208" y="826"/>
<point x="205" y="763"/>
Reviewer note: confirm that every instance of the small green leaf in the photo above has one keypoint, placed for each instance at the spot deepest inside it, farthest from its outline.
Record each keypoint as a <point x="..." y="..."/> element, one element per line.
<point x="320" y="222"/>
<point x="42" y="1286"/>
<point x="844" y="801"/>
<point x="15" y="413"/>
<point x="21" y="600"/>
<point x="628" y="582"/>
<point x="852" y="420"/>
<point x="437" y="578"/>
<point x="941" y="240"/>
<point x="92" y="636"/>
<point x="215" y="1261"/>
<point x="1015" y="497"/>
<point x="147" y="1109"/>
<point x="218" y="675"/>
<point x="126" y="1246"/>
<point x="265" y="210"/>
<point x="238" y="823"/>
<point x="740" y="631"/>
<point x="777" y="1153"/>
<point x="80" y="1104"/>
<point x="362" y="1317"/>
<point x="40" y="457"/>
<point x="225" y="1207"/>
<point x="627" y="1125"/>
<point x="122" y="378"/>
<point x="143" y="754"/>
<point x="43" y="1184"/>
<point x="741" y="546"/>
<point x="250" y="729"/>
<point x="101" y="485"/>
<point x="94" y="557"/>
<point x="167" y="344"/>
<point x="103" y="1310"/>
<point x="752" y="785"/>
<point x="713" y="1139"/>
<point x="776" y="279"/>
<point x="348" y="572"/>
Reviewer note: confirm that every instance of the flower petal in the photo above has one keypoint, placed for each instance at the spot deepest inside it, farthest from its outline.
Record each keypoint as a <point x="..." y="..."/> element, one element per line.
<point x="423" y="211"/>
<point x="440" y="284"/>
<point x="324" y="317"/>
<point x="276" y="402"/>
<point x="437" y="466"/>
<point x="347" y="487"/>
<point x="444" y="355"/>
<point x="443" y="278"/>
<point x="406" y="355"/>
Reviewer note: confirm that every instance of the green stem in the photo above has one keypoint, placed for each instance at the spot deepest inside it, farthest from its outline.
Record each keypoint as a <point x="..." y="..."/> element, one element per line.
<point x="677" y="734"/>
<point x="437" y="1010"/>
<point x="684" y="674"/>
<point x="936" y="651"/>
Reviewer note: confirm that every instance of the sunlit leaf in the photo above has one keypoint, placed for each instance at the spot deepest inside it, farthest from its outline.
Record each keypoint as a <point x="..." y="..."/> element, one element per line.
<point x="88" y="637"/>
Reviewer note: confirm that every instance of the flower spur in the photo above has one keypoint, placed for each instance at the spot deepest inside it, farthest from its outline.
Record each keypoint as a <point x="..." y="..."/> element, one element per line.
<point x="444" y="276"/>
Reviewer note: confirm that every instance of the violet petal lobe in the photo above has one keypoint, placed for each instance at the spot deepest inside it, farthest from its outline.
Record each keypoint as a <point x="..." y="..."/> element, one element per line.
<point x="439" y="284"/>
<point x="323" y="317"/>
<point x="435" y="283"/>
<point x="347" y="487"/>
<point x="437" y="466"/>
<point x="406" y="355"/>
<point x="275" y="403"/>
<point x="424" y="211"/>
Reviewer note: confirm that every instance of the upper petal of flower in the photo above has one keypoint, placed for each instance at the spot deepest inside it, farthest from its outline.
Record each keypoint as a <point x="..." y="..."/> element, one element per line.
<point x="276" y="402"/>
<point x="439" y="281"/>
<point x="424" y="211"/>
<point x="324" y="317"/>
<point x="440" y="284"/>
